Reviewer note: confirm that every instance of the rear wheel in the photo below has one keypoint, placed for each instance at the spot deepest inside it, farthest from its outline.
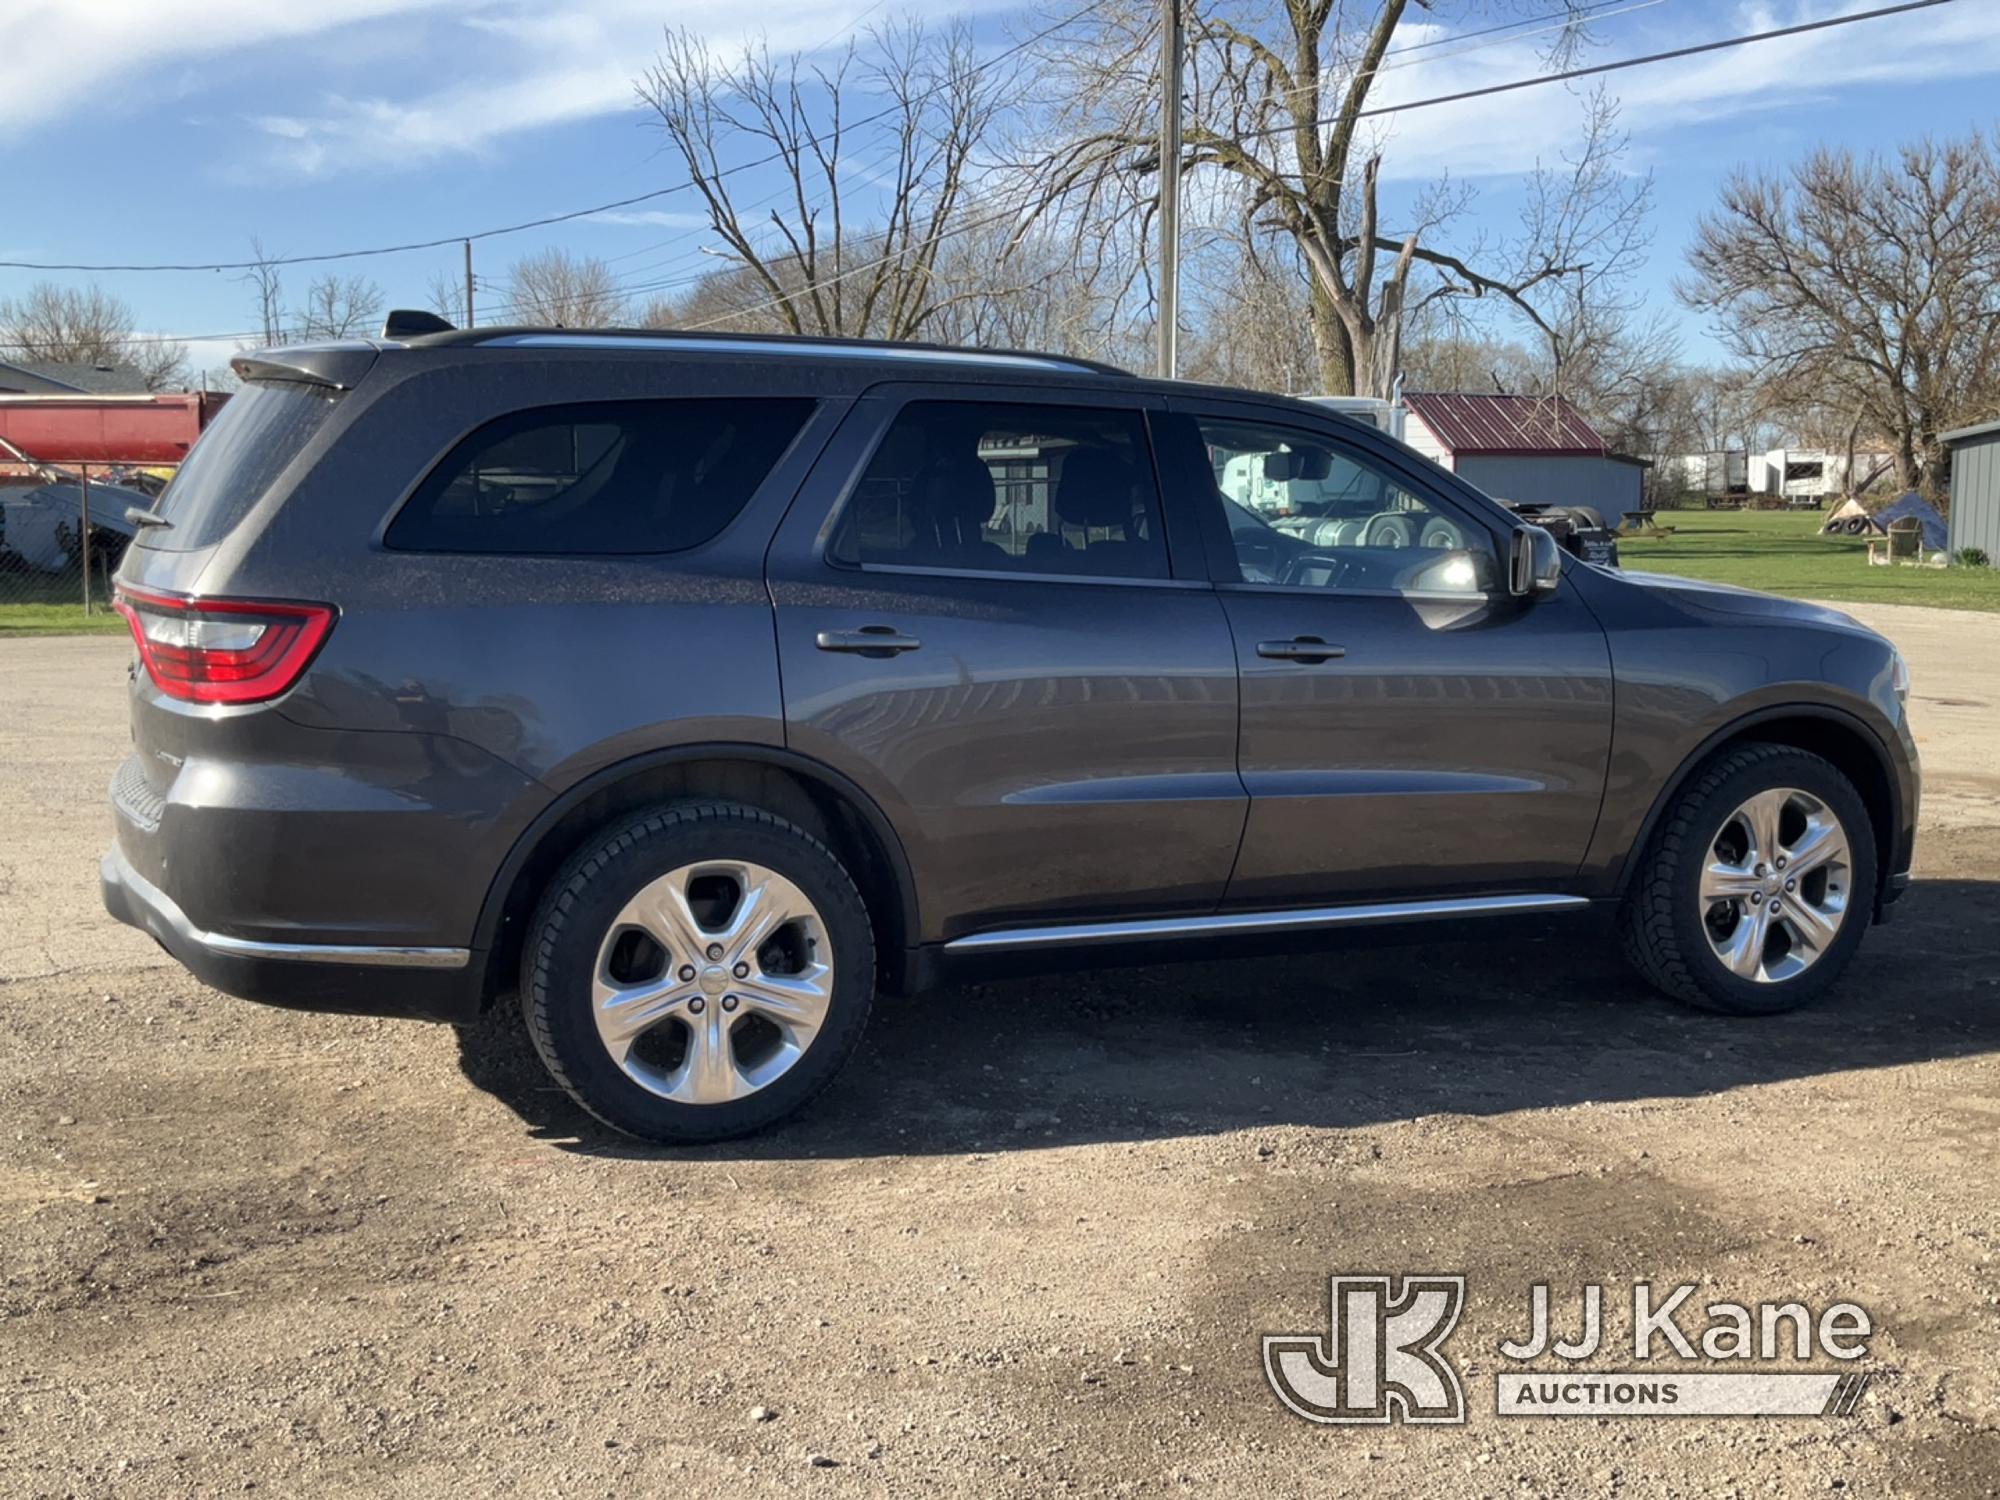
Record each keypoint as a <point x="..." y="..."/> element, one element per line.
<point x="700" y="972"/>
<point x="1757" y="886"/>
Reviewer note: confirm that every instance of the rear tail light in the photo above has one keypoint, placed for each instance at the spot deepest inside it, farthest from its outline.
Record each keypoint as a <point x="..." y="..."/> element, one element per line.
<point x="222" y="650"/>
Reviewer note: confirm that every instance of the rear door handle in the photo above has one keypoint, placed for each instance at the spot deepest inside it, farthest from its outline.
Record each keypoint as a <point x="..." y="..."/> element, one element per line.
<point x="869" y="640"/>
<point x="1306" y="648"/>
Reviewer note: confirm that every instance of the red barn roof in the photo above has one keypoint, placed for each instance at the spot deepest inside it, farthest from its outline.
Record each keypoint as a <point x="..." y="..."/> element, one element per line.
<point x="1468" y="423"/>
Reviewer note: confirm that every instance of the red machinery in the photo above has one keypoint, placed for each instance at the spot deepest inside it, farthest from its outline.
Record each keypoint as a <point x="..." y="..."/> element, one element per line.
<point x="86" y="429"/>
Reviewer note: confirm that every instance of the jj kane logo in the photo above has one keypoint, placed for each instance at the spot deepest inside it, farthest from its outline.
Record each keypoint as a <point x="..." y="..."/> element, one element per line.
<point x="1382" y="1357"/>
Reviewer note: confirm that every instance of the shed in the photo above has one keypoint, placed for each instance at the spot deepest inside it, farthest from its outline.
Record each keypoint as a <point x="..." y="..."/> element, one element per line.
<point x="69" y="378"/>
<point x="1536" y="450"/>
<point x="1975" y="487"/>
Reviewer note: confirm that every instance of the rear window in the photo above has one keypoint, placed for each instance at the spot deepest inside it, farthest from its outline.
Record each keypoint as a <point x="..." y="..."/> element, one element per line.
<point x="605" y="477"/>
<point x="261" y="429"/>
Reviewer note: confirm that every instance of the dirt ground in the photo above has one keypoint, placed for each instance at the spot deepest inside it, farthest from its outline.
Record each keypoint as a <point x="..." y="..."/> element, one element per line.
<point x="1026" y="1245"/>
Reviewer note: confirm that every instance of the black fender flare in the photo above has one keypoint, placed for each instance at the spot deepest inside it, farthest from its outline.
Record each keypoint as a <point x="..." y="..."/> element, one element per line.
<point x="1735" y="729"/>
<point x="486" y="930"/>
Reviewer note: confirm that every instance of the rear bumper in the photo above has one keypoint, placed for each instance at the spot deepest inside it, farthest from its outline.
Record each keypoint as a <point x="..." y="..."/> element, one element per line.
<point x="433" y="984"/>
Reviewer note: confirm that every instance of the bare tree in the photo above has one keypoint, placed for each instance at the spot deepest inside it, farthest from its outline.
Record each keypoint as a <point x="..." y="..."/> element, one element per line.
<point x="1252" y="323"/>
<point x="86" y="325"/>
<point x="853" y="248"/>
<point x="1276" y="103"/>
<point x="1868" y="284"/>
<point x="338" y="307"/>
<point x="445" y="296"/>
<point x="267" y="282"/>
<point x="563" y="291"/>
<point x="1002" y="288"/>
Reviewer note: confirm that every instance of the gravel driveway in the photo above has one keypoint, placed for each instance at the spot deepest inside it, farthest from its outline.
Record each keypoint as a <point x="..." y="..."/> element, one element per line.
<point x="1026" y="1245"/>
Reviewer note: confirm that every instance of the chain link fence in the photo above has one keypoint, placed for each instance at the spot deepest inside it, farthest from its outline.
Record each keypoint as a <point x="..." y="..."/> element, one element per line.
<point x="63" y="530"/>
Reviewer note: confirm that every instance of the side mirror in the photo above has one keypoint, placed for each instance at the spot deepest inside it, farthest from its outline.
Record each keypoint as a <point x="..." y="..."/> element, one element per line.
<point x="1534" y="563"/>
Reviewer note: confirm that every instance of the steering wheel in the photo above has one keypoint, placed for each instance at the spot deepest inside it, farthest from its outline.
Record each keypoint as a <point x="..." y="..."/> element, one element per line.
<point x="1333" y="564"/>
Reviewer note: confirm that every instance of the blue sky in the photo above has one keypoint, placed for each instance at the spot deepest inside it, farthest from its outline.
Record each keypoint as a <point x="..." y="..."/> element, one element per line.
<point x="149" y="130"/>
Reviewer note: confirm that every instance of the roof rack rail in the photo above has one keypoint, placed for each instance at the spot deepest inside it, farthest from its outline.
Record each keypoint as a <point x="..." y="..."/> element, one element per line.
<point x="446" y="334"/>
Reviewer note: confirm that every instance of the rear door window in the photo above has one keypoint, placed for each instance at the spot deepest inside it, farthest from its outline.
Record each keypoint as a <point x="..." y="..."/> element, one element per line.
<point x="1000" y="487"/>
<point x="600" y="478"/>
<point x="260" y="430"/>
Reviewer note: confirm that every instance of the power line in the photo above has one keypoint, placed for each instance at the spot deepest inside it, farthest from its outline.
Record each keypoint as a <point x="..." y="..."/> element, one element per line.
<point x="1719" y="45"/>
<point x="1556" y="21"/>
<point x="1598" y="10"/>
<point x="1568" y="15"/>
<point x="547" y="220"/>
<point x="1698" y="49"/>
<point x="1582" y="72"/>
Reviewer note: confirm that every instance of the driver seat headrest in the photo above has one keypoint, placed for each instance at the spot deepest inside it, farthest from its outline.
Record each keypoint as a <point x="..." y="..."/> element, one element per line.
<point x="1095" y="489"/>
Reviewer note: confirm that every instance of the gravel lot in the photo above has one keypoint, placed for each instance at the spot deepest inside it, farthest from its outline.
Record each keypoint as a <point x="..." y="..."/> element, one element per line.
<point x="1026" y="1245"/>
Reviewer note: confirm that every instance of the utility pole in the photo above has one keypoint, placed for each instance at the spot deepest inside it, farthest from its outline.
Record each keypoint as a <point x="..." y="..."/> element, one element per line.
<point x="468" y="283"/>
<point x="1171" y="52"/>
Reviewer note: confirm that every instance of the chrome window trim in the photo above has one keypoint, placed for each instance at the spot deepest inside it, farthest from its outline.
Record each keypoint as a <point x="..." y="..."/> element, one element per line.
<point x="915" y="570"/>
<point x="666" y="343"/>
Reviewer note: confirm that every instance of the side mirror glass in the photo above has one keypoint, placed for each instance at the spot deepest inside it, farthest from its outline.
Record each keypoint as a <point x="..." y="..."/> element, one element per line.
<point x="1534" y="565"/>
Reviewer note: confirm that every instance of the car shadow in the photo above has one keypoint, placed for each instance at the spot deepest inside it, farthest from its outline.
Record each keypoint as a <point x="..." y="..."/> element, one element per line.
<point x="1341" y="1037"/>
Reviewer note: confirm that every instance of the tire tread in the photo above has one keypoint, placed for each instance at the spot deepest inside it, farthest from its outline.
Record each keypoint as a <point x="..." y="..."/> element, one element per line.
<point x="1648" y="933"/>
<point x="588" y="864"/>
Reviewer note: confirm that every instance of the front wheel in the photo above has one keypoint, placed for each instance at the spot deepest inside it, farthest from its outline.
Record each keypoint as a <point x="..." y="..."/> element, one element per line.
<point x="1757" y="886"/>
<point x="698" y="973"/>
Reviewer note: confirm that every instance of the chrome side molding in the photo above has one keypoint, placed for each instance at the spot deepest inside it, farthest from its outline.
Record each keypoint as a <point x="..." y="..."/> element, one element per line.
<point x="159" y="910"/>
<point x="1300" y="919"/>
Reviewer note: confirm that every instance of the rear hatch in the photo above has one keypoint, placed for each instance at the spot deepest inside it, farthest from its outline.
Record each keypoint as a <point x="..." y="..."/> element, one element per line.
<point x="206" y="661"/>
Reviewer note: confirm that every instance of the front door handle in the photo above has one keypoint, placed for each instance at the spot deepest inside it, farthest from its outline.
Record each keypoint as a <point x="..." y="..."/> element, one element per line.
<point x="869" y="640"/>
<point x="1306" y="648"/>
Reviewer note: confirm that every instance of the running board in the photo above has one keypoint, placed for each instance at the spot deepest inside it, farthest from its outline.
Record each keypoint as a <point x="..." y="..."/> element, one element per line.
<point x="1302" y="919"/>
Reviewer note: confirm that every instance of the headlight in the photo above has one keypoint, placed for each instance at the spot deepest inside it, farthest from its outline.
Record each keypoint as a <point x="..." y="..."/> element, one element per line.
<point x="1899" y="676"/>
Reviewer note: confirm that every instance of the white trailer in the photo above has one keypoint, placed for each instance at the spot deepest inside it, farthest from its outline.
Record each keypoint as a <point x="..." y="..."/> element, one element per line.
<point x="1386" y="415"/>
<point x="1798" y="476"/>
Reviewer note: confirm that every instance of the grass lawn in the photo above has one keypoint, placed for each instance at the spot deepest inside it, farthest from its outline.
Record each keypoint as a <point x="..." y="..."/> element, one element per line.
<point x="58" y="619"/>
<point x="1782" y="552"/>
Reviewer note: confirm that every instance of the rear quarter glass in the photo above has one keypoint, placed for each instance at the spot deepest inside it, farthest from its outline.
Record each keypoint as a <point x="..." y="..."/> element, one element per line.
<point x="263" y="428"/>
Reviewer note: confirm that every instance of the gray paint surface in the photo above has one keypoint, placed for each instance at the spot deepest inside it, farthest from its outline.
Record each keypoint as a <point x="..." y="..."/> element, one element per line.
<point x="1567" y="479"/>
<point x="1059" y="746"/>
<point x="1975" y="493"/>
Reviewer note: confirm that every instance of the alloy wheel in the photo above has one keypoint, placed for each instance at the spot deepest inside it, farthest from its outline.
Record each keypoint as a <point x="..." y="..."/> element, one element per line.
<point x="1775" y="885"/>
<point x="712" y="981"/>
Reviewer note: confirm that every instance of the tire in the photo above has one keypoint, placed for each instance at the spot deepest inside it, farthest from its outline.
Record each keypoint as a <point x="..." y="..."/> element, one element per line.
<point x="607" y="964"/>
<point x="1689" y="896"/>
<point x="1390" y="528"/>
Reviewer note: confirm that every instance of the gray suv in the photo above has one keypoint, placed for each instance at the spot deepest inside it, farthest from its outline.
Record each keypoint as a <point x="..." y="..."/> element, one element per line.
<point x="695" y="689"/>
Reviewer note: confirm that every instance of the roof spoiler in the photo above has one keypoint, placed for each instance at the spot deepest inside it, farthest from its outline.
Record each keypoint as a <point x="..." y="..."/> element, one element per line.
<point x="336" y="367"/>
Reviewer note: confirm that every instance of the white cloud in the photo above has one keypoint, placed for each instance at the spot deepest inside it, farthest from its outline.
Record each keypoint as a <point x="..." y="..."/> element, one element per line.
<point x="60" y="53"/>
<point x="653" y="217"/>
<point x="1510" y="133"/>
<point x="513" y="65"/>
<point x="536" y="68"/>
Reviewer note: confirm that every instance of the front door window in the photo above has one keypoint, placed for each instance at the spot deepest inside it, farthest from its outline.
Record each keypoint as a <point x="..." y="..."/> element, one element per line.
<point x="1302" y="513"/>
